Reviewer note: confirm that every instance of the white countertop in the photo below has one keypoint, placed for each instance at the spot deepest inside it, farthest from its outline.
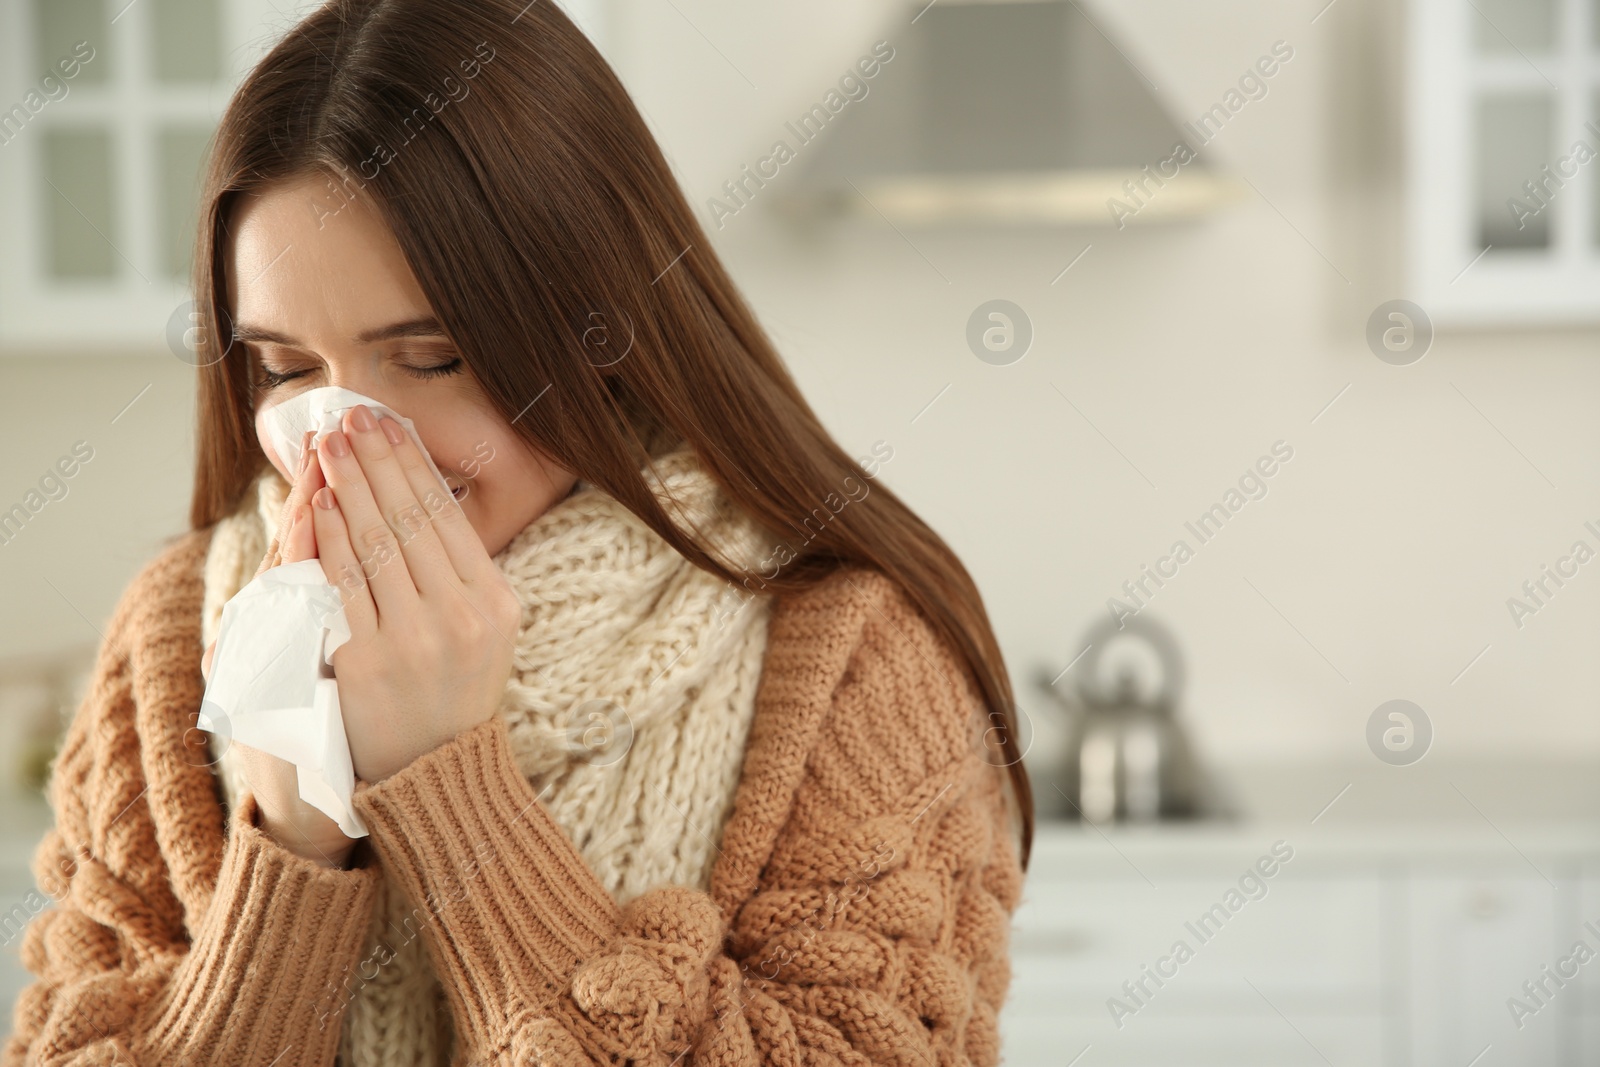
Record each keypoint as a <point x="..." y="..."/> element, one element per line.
<point x="1548" y="813"/>
<point x="1528" y="816"/>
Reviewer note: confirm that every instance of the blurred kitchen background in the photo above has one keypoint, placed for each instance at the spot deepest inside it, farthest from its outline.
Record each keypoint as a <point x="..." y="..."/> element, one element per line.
<point x="1311" y="287"/>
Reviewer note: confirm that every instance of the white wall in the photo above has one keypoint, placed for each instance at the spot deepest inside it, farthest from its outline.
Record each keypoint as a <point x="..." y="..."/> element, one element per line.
<point x="1390" y="542"/>
<point x="62" y="573"/>
<point x="1407" y="515"/>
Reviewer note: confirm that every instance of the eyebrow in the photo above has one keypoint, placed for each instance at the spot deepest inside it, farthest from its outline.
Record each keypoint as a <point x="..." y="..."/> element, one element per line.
<point x="424" y="327"/>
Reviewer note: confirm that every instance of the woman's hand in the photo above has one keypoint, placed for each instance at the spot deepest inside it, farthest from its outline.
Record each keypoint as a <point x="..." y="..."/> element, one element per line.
<point x="433" y="622"/>
<point x="288" y="820"/>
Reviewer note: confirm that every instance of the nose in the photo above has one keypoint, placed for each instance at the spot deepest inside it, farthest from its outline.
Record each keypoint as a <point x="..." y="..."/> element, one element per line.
<point x="359" y="380"/>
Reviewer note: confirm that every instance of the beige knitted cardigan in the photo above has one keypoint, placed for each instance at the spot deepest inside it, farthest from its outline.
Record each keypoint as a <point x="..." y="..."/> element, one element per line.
<point x="628" y="706"/>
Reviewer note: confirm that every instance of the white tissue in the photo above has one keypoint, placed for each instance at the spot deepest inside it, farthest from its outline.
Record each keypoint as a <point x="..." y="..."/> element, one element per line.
<point x="272" y="685"/>
<point x="322" y="410"/>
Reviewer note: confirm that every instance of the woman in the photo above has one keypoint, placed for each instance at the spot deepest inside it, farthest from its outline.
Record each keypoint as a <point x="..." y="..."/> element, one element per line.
<point x="675" y="738"/>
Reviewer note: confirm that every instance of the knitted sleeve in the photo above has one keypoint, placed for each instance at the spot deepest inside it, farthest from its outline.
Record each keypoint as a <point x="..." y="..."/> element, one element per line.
<point x="148" y="946"/>
<point x="873" y="930"/>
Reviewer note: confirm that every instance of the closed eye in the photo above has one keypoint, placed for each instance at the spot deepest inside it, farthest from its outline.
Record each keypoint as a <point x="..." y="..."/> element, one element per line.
<point x="436" y="371"/>
<point x="271" y="379"/>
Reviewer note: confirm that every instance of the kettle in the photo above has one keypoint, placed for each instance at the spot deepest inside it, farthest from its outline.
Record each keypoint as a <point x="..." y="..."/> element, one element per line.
<point x="1127" y="757"/>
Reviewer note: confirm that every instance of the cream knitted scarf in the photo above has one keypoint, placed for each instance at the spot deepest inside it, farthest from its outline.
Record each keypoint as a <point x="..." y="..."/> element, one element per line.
<point x="628" y="705"/>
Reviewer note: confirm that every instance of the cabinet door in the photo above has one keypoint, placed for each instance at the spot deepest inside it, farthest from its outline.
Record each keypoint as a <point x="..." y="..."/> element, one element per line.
<point x="106" y="109"/>
<point x="1582" y="924"/>
<point x="1474" y="941"/>
<point x="1293" y="977"/>
<point x="1501" y="95"/>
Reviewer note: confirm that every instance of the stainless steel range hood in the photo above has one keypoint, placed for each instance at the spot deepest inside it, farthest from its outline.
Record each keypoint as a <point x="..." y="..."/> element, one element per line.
<point x="1003" y="111"/>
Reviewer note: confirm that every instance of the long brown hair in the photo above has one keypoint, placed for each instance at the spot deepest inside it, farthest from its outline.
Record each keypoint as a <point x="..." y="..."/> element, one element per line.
<point x="544" y="226"/>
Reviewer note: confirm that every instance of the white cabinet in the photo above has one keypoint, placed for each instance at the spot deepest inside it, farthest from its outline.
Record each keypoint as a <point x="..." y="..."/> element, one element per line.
<point x="23" y="822"/>
<point x="1381" y="946"/>
<point x="1473" y="941"/>
<point x="106" y="111"/>
<point x="1502" y="145"/>
<point x="106" y="107"/>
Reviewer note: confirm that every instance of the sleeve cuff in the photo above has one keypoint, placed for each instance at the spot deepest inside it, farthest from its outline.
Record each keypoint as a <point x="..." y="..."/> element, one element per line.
<point x="517" y="907"/>
<point x="267" y="965"/>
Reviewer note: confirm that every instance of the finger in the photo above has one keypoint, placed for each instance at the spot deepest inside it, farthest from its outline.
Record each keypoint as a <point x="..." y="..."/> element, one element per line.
<point x="430" y="566"/>
<point x="302" y="540"/>
<point x="298" y="494"/>
<point x="205" y="661"/>
<point x="459" y="540"/>
<point x="340" y="566"/>
<point x="373" y="542"/>
<point x="269" y="560"/>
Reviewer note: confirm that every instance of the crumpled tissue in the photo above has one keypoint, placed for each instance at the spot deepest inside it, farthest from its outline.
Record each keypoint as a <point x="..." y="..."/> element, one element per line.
<point x="272" y="684"/>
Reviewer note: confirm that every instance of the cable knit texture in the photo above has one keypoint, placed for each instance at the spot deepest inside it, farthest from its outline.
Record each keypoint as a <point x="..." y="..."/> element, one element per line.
<point x="857" y="909"/>
<point x="627" y="708"/>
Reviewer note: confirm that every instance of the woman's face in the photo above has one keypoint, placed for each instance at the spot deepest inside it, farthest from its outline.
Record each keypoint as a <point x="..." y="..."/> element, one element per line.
<point x="321" y="295"/>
